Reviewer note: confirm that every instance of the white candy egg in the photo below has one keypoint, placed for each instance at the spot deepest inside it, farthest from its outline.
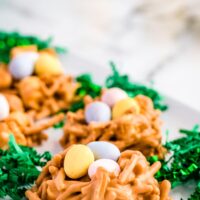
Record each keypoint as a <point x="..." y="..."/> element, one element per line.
<point x="103" y="149"/>
<point x="22" y="65"/>
<point x="4" y="107"/>
<point x="109" y="165"/>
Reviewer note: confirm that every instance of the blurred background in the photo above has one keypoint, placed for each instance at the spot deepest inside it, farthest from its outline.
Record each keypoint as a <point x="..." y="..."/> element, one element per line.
<point x="152" y="40"/>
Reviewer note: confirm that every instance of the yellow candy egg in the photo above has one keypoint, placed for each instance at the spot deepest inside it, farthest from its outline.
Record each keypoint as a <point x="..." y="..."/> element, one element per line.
<point x="48" y="64"/>
<point x="77" y="161"/>
<point x="124" y="105"/>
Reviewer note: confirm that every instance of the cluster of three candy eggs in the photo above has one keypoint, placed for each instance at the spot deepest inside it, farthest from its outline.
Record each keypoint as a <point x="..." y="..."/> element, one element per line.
<point x="114" y="99"/>
<point x="26" y="63"/>
<point x="81" y="160"/>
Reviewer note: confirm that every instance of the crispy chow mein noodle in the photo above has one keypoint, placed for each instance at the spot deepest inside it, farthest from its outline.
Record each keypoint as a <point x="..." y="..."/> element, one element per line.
<point x="131" y="131"/>
<point x="24" y="129"/>
<point x="46" y="95"/>
<point x="135" y="182"/>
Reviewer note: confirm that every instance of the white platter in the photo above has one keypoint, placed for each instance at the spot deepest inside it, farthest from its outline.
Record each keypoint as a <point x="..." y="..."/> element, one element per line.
<point x="178" y="116"/>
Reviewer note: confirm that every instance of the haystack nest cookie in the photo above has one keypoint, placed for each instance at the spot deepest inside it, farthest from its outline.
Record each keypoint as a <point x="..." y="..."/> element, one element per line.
<point x="76" y="173"/>
<point x="33" y="86"/>
<point x="129" y="123"/>
<point x="38" y="79"/>
<point x="26" y="131"/>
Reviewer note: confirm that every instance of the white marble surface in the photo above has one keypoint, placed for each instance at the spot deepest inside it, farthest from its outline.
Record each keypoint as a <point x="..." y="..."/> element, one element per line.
<point x="149" y="39"/>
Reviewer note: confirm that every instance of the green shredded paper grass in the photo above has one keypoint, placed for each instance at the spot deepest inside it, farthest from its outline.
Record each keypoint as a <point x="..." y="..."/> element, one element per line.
<point x="19" y="168"/>
<point x="184" y="163"/>
<point x="8" y="40"/>
<point x="88" y="87"/>
<point x="133" y="89"/>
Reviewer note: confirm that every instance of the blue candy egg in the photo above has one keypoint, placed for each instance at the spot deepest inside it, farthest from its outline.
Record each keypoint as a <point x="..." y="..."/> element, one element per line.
<point x="97" y="112"/>
<point x="104" y="150"/>
<point x="22" y="65"/>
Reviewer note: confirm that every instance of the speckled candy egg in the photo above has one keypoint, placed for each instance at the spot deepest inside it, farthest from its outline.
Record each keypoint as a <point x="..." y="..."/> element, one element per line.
<point x="4" y="107"/>
<point x="22" y="65"/>
<point x="48" y="64"/>
<point x="109" y="165"/>
<point x="123" y="106"/>
<point x="77" y="161"/>
<point x="113" y="95"/>
<point x="104" y="149"/>
<point x="97" y="112"/>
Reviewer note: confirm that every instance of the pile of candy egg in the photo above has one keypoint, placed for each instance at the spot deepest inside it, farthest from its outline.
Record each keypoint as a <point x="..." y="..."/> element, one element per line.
<point x="81" y="160"/>
<point x="114" y="103"/>
<point x="26" y="61"/>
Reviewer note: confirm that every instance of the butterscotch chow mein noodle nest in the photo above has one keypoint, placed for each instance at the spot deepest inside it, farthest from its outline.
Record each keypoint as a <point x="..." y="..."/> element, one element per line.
<point x="137" y="131"/>
<point x="47" y="94"/>
<point x="33" y="86"/>
<point x="135" y="181"/>
<point x="38" y="79"/>
<point x="24" y="129"/>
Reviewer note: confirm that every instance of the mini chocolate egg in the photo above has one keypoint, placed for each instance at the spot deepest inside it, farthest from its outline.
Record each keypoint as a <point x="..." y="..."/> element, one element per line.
<point x="48" y="64"/>
<point x="113" y="95"/>
<point x="97" y="112"/>
<point x="4" y="107"/>
<point x="109" y="165"/>
<point x="22" y="65"/>
<point x="104" y="149"/>
<point x="77" y="161"/>
<point x="123" y="106"/>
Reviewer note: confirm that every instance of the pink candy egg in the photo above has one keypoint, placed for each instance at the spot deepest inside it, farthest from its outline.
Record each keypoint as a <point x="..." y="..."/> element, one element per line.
<point x="109" y="165"/>
<point x="113" y="95"/>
